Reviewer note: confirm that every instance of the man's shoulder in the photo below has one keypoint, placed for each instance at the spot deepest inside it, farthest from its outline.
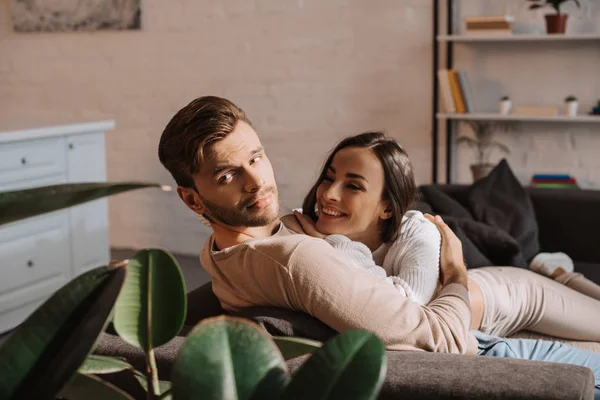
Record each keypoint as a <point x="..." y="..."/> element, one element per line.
<point x="284" y="249"/>
<point x="280" y="249"/>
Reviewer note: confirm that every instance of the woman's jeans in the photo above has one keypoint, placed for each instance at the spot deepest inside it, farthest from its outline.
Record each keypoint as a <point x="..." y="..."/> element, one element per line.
<point x="539" y="350"/>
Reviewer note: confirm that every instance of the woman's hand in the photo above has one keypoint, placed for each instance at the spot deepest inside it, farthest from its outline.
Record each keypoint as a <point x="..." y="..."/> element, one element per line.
<point x="291" y="222"/>
<point x="452" y="264"/>
<point x="308" y="226"/>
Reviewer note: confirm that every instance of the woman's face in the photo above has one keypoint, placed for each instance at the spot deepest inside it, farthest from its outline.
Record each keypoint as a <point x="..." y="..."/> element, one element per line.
<point x="349" y="199"/>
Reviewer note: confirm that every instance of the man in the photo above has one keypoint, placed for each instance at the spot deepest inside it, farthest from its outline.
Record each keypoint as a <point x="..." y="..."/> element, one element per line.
<point x="224" y="174"/>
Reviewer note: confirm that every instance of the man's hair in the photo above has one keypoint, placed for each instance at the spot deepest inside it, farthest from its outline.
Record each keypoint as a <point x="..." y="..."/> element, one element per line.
<point x="400" y="189"/>
<point x="192" y="131"/>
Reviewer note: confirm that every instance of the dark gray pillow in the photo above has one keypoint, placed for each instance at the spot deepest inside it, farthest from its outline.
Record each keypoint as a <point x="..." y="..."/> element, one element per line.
<point x="485" y="245"/>
<point x="442" y="203"/>
<point x="499" y="200"/>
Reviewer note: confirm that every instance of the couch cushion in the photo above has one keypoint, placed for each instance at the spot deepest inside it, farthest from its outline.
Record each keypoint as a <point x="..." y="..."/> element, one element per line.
<point x="284" y="322"/>
<point x="501" y="201"/>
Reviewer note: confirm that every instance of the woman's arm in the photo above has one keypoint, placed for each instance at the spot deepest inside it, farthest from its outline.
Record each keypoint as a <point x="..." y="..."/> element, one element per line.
<point x="415" y="256"/>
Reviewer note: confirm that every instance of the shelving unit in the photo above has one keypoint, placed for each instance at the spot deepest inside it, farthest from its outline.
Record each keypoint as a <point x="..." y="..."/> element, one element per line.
<point x="448" y="39"/>
<point x="517" y="117"/>
<point x="516" y="38"/>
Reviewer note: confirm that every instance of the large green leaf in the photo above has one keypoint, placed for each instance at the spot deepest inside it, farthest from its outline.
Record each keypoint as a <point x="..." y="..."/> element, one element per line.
<point x="98" y="365"/>
<point x="21" y="204"/>
<point x="151" y="308"/>
<point x="291" y="347"/>
<point x="351" y="365"/>
<point x="228" y="358"/>
<point x="89" y="387"/>
<point x="42" y="354"/>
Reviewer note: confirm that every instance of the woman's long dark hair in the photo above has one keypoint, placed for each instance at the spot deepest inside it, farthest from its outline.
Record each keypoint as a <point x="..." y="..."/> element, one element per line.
<point x="399" y="189"/>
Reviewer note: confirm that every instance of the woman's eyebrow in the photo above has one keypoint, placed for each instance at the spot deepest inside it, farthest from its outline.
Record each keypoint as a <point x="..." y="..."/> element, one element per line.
<point x="356" y="176"/>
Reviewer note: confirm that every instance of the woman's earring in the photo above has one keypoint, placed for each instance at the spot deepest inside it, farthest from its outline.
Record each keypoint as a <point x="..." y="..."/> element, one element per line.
<point x="316" y="210"/>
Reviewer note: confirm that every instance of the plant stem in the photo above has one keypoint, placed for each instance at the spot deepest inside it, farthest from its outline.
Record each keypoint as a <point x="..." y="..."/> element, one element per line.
<point x="152" y="375"/>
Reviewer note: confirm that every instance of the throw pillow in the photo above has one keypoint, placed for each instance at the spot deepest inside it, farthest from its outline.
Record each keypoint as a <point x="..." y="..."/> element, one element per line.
<point x="499" y="200"/>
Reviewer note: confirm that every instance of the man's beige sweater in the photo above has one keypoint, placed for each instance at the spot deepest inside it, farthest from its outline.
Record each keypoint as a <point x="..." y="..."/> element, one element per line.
<point x="302" y="273"/>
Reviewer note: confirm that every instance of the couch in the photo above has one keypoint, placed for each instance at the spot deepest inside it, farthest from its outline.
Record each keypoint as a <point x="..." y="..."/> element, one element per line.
<point x="567" y="219"/>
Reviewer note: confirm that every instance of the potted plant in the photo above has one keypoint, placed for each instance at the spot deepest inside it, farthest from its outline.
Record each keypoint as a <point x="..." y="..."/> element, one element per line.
<point x="571" y="105"/>
<point x="484" y="144"/>
<point x="557" y="22"/>
<point x="504" y="105"/>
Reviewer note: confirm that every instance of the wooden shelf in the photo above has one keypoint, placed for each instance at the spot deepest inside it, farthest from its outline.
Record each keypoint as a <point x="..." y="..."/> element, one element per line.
<point x="517" y="117"/>
<point x="518" y="37"/>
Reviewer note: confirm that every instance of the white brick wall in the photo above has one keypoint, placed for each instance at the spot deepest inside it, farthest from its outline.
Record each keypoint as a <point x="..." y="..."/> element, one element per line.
<point x="308" y="72"/>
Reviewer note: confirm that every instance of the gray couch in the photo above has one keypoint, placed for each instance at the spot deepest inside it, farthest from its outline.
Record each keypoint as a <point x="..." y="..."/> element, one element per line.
<point x="567" y="219"/>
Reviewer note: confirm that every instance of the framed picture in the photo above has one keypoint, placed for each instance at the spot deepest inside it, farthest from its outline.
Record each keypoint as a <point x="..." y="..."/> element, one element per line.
<point x="75" y="15"/>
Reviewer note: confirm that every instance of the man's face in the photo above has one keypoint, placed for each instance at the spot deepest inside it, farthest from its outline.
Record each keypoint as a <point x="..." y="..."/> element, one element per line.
<point x="236" y="184"/>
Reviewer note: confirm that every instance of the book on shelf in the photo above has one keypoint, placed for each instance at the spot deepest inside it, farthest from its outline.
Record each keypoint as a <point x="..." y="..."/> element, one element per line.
<point x="446" y="91"/>
<point x="554" y="181"/>
<point x="465" y="91"/>
<point x="490" y="18"/>
<point x="541" y="111"/>
<point x="455" y="91"/>
<point x="489" y="25"/>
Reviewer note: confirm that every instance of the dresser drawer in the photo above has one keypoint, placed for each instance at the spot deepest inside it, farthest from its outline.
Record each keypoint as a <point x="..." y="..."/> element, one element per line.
<point x="34" y="259"/>
<point x="32" y="159"/>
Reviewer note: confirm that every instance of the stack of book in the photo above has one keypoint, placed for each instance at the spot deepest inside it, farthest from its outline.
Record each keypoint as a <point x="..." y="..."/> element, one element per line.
<point x="455" y="91"/>
<point x="556" y="181"/>
<point x="489" y="25"/>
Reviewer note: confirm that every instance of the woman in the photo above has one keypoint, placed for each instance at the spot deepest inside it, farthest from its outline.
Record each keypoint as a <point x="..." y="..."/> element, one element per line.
<point x="360" y="201"/>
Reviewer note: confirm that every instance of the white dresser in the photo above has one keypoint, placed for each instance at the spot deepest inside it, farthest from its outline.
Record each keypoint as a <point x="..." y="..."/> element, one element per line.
<point x="41" y="254"/>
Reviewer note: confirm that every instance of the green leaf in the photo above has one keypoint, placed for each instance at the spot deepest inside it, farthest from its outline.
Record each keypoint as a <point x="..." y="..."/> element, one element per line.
<point x="164" y="386"/>
<point x="228" y="358"/>
<point x="89" y="387"/>
<point x="351" y="365"/>
<point x="291" y="347"/>
<point x="151" y="308"/>
<point x="20" y="204"/>
<point x="95" y="364"/>
<point x="41" y="354"/>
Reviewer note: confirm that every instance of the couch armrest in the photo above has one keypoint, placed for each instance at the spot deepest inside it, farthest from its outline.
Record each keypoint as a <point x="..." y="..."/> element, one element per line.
<point x="421" y="376"/>
<point x="568" y="221"/>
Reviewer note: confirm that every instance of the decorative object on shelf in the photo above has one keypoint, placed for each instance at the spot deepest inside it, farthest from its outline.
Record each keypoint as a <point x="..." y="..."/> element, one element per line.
<point x="555" y="23"/>
<point x="75" y="15"/>
<point x="484" y="143"/>
<point x="554" y="181"/>
<point x="505" y="105"/>
<point x="536" y="110"/>
<point x="489" y="25"/>
<point x="596" y="110"/>
<point x="571" y="105"/>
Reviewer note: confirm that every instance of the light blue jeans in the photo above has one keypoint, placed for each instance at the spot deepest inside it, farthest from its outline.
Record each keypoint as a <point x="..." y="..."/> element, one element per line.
<point x="539" y="350"/>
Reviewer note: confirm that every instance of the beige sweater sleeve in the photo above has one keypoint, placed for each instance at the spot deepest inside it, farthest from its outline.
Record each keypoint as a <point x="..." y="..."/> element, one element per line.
<point x="350" y="298"/>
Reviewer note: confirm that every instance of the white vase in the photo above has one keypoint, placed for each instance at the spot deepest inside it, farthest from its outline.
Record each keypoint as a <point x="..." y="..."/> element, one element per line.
<point x="504" y="107"/>
<point x="571" y="108"/>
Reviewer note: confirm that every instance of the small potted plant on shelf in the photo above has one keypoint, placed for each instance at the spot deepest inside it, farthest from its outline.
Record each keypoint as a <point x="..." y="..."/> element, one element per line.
<point x="557" y="22"/>
<point x="484" y="144"/>
<point x="571" y="105"/>
<point x="504" y="105"/>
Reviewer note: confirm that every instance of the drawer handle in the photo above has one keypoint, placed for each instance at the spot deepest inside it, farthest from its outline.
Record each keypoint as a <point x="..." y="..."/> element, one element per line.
<point x="71" y="146"/>
<point x="30" y="263"/>
<point x="23" y="161"/>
